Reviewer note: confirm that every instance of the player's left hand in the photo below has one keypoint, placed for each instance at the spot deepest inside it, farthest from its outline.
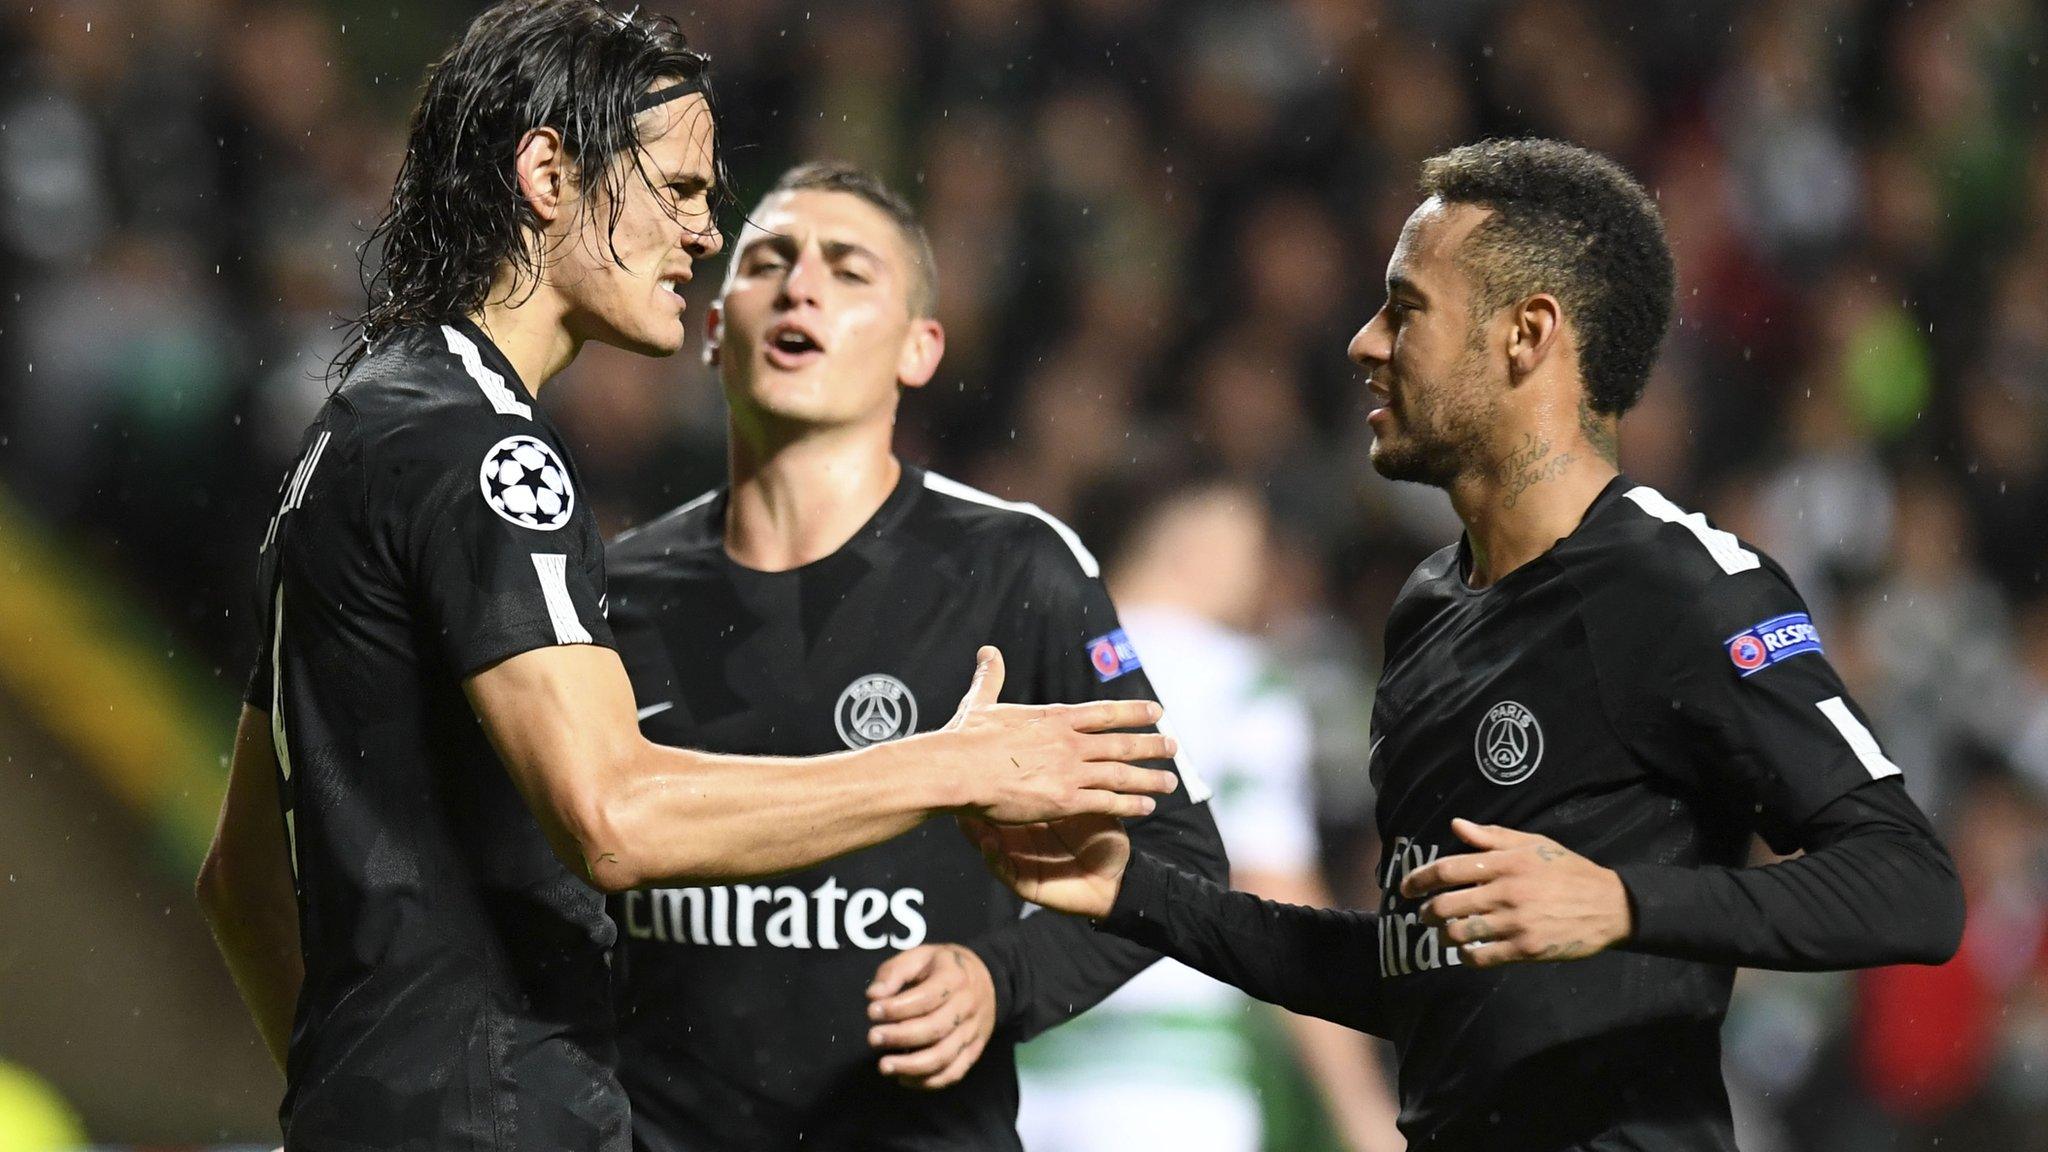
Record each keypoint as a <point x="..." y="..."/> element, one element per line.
<point x="932" y="1010"/>
<point x="1521" y="897"/>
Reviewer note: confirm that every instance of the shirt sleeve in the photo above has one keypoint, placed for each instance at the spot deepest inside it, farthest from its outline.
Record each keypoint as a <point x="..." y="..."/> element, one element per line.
<point x="1320" y="962"/>
<point x="1756" y="711"/>
<point x="1874" y="887"/>
<point x="501" y="554"/>
<point x="1066" y="646"/>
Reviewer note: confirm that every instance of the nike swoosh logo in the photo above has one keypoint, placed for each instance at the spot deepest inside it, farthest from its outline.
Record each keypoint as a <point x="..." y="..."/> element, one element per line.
<point x="655" y="709"/>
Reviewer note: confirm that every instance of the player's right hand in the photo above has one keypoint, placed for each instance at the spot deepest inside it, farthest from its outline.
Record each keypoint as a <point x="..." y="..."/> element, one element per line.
<point x="1029" y="762"/>
<point x="1074" y="865"/>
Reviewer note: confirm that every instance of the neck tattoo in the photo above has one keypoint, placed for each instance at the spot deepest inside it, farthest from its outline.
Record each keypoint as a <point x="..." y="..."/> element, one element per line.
<point x="1529" y="465"/>
<point x="1600" y="433"/>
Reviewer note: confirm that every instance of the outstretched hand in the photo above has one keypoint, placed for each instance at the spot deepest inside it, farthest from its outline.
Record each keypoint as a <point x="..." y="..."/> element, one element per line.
<point x="1024" y="762"/>
<point x="1075" y="865"/>
<point x="1521" y="897"/>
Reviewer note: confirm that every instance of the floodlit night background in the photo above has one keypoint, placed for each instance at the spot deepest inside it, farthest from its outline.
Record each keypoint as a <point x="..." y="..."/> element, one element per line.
<point x="1157" y="222"/>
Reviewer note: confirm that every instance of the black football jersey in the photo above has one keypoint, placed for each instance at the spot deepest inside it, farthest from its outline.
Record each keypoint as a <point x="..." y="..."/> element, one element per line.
<point x="1651" y="690"/>
<point x="1649" y="693"/>
<point x="742" y="1007"/>
<point x="457" y="992"/>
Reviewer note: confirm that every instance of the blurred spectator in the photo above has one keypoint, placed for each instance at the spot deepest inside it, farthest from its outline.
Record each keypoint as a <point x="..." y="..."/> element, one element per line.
<point x="1952" y="1055"/>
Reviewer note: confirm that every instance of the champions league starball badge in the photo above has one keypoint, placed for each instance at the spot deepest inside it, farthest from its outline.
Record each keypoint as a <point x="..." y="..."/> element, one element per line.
<point x="1509" y="743"/>
<point x="874" y="709"/>
<point x="524" y="482"/>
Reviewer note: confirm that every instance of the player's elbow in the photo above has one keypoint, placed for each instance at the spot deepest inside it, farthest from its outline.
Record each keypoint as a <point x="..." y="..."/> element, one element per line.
<point x="595" y="842"/>
<point x="1929" y="895"/>
<point x="603" y="824"/>
<point x="1946" y="911"/>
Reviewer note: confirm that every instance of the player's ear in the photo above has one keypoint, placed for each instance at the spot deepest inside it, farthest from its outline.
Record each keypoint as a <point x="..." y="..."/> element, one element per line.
<point x="543" y="172"/>
<point x="1534" y="336"/>
<point x="923" y="347"/>
<point x="714" y="332"/>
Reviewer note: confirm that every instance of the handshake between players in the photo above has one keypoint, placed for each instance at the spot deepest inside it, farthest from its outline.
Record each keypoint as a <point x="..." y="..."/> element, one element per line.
<point x="614" y="813"/>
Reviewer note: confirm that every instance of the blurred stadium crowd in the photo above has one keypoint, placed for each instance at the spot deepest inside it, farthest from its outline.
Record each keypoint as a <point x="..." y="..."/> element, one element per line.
<point x="1157" y="223"/>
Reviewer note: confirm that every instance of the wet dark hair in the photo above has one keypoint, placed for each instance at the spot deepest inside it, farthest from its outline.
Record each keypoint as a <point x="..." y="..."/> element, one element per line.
<point x="456" y="215"/>
<point x="1572" y="223"/>
<point x="840" y="176"/>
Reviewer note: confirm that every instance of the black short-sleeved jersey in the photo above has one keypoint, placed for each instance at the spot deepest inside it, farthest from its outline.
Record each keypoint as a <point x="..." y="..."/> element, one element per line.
<point x="456" y="991"/>
<point x="742" y="1006"/>
<point x="1651" y="690"/>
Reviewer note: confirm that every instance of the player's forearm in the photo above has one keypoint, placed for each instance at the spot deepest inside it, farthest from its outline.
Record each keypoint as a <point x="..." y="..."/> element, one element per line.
<point x="1317" y="961"/>
<point x="676" y="816"/>
<point x="245" y="887"/>
<point x="256" y="927"/>
<point x="1875" y="887"/>
<point x="1049" y="968"/>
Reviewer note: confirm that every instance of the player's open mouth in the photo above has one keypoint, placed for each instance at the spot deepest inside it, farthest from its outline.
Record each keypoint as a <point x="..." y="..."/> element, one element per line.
<point x="673" y="285"/>
<point x="789" y="346"/>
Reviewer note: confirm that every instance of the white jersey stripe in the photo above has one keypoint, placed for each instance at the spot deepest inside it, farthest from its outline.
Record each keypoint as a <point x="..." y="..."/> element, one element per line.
<point x="306" y="473"/>
<point x="1724" y="547"/>
<point x="665" y="517"/>
<point x="1860" y="740"/>
<point x="959" y="491"/>
<point x="278" y="742"/>
<point x="494" y="387"/>
<point x="553" y="568"/>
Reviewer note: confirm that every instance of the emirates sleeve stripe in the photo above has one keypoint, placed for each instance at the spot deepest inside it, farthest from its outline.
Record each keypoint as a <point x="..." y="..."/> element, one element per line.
<point x="553" y="568"/>
<point x="1860" y="740"/>
<point x="1726" y="550"/>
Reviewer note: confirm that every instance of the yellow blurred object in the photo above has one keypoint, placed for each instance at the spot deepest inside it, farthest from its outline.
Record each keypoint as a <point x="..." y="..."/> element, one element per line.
<point x="70" y="653"/>
<point x="33" y="1118"/>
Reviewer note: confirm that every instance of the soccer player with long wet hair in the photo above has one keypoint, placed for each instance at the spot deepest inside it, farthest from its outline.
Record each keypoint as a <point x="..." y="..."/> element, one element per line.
<point x="438" y="774"/>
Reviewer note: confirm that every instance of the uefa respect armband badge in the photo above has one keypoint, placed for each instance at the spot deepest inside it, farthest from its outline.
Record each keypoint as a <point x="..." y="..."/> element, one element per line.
<point x="1780" y="638"/>
<point x="1112" y="655"/>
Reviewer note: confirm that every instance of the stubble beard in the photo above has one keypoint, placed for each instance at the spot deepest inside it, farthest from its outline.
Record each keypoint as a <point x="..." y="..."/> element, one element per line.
<point x="1443" y="438"/>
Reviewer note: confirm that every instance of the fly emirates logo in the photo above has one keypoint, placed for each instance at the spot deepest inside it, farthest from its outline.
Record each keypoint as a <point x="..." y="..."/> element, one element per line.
<point x="754" y="915"/>
<point x="1407" y="945"/>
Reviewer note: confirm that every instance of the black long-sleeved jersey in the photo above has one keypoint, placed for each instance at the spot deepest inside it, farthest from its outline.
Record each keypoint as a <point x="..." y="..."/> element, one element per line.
<point x="1649" y="693"/>
<point x="742" y="1007"/>
<point x="456" y="992"/>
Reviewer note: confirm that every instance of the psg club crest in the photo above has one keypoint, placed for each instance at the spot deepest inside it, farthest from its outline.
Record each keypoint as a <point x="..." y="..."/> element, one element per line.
<point x="1509" y="744"/>
<point x="874" y="709"/>
<point x="524" y="481"/>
